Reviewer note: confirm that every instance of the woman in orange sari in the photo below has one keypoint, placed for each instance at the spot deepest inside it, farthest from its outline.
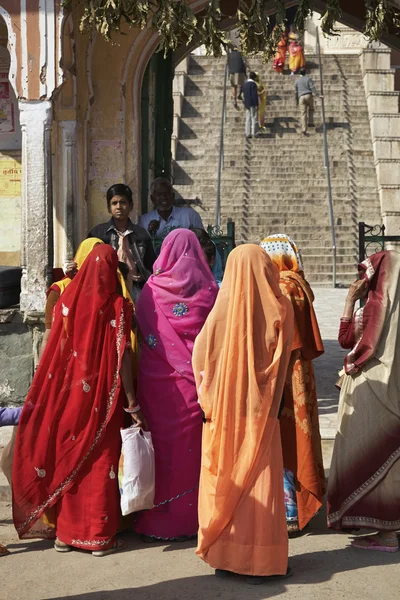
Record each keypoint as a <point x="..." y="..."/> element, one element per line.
<point x="301" y="440"/>
<point x="280" y="57"/>
<point x="240" y="360"/>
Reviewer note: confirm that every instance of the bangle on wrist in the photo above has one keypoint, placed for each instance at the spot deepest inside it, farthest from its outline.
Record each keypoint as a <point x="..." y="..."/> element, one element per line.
<point x="132" y="410"/>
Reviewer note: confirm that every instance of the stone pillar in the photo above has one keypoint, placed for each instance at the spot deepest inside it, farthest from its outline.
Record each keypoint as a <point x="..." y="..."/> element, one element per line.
<point x="69" y="188"/>
<point x="383" y="103"/>
<point x="37" y="225"/>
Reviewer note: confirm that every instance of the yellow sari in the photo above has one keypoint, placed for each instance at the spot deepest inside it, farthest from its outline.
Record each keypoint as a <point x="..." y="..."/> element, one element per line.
<point x="262" y="100"/>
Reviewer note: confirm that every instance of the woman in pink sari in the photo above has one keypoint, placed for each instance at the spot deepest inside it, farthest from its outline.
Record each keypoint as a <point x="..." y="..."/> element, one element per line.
<point x="171" y="311"/>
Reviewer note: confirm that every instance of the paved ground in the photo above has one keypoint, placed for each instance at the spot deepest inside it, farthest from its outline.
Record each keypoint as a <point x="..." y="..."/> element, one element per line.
<point x="329" y="306"/>
<point x="323" y="564"/>
<point x="324" y="567"/>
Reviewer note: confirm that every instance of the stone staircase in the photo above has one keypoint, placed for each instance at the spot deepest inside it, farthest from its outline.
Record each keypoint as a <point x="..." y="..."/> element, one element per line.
<point x="277" y="183"/>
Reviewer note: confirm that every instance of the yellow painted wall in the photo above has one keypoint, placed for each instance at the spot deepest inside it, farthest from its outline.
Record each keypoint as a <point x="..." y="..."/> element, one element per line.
<point x="10" y="163"/>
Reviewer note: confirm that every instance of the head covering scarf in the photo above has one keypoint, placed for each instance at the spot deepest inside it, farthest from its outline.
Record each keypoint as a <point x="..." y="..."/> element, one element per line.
<point x="182" y="291"/>
<point x="381" y="271"/>
<point x="74" y="392"/>
<point x="82" y="253"/>
<point x="240" y="360"/>
<point x="284" y="253"/>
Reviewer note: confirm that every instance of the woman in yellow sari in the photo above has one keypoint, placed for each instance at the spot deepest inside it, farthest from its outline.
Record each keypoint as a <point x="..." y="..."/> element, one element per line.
<point x="296" y="52"/>
<point x="262" y="101"/>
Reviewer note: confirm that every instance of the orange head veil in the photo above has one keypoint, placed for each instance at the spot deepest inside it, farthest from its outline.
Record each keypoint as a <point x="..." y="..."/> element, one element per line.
<point x="240" y="360"/>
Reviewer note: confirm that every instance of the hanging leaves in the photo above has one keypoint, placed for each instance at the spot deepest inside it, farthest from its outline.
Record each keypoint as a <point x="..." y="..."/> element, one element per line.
<point x="253" y="26"/>
<point x="379" y="15"/>
<point x="304" y="10"/>
<point x="176" y="24"/>
<point x="332" y="14"/>
<point x="274" y="37"/>
<point x="212" y="36"/>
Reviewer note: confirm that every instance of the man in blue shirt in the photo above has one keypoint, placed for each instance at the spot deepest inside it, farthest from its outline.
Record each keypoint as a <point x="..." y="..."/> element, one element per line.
<point x="251" y="105"/>
<point x="165" y="213"/>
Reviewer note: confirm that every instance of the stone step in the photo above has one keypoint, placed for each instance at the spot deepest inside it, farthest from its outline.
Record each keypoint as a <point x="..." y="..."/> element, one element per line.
<point x="260" y="175"/>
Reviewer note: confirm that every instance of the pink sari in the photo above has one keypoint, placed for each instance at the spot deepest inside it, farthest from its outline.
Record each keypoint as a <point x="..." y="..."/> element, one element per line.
<point x="171" y="311"/>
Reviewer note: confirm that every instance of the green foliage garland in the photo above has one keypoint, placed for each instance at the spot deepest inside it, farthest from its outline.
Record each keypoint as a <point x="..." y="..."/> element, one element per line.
<point x="176" y="24"/>
<point x="379" y="15"/>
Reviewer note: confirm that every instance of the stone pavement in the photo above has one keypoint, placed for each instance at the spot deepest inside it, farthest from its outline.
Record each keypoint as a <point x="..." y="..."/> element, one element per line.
<point x="324" y="568"/>
<point x="329" y="304"/>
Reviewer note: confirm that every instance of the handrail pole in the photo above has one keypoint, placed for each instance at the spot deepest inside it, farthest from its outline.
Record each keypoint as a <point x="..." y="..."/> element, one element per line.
<point x="327" y="168"/>
<point x="221" y="150"/>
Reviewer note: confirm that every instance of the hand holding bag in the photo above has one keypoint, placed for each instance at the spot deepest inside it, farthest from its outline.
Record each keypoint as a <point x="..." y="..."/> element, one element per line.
<point x="136" y="473"/>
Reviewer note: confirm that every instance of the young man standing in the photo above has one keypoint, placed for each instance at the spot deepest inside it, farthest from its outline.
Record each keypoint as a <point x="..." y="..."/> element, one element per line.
<point x="304" y="89"/>
<point x="237" y="74"/>
<point x="132" y="243"/>
<point x="165" y="213"/>
<point x="251" y="105"/>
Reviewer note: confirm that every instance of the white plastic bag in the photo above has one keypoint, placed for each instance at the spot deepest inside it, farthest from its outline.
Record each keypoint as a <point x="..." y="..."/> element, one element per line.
<point x="136" y="470"/>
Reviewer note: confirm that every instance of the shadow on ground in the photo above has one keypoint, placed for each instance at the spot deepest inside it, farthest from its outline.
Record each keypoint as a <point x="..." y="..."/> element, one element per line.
<point x="312" y="567"/>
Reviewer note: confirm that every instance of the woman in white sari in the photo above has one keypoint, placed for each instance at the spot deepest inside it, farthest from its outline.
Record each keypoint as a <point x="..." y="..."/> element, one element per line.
<point x="364" y="481"/>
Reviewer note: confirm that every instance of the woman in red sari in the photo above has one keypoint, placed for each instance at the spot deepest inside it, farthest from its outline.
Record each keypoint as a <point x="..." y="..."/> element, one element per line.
<point x="364" y="477"/>
<point x="68" y="442"/>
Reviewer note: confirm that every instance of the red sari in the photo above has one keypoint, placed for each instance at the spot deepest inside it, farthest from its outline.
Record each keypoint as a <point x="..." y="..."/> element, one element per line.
<point x="68" y="443"/>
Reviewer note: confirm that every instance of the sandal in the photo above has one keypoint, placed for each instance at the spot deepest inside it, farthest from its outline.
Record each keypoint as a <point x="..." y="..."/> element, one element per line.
<point x="117" y="545"/>
<point x="373" y="542"/>
<point x="59" y="546"/>
<point x="148" y="539"/>
<point x="293" y="528"/>
<point x="258" y="580"/>
<point x="3" y="550"/>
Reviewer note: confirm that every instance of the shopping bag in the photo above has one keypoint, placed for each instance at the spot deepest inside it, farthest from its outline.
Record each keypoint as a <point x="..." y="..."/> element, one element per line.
<point x="136" y="470"/>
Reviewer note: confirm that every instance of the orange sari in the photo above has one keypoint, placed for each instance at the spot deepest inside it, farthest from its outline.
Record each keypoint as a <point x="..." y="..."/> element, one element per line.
<point x="240" y="360"/>
<point x="301" y="440"/>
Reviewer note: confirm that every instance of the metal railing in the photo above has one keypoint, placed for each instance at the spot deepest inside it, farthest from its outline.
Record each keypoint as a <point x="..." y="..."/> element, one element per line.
<point x="221" y="149"/>
<point x="373" y="238"/>
<point x="327" y="168"/>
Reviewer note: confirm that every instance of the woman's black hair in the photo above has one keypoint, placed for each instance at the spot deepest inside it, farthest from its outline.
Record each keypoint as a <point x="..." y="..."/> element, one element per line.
<point x="206" y="243"/>
<point x="119" y="189"/>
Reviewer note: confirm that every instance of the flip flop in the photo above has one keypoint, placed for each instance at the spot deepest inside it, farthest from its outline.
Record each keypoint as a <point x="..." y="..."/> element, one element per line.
<point x="59" y="546"/>
<point x="256" y="580"/>
<point x="3" y="550"/>
<point x="117" y="545"/>
<point x="372" y="544"/>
